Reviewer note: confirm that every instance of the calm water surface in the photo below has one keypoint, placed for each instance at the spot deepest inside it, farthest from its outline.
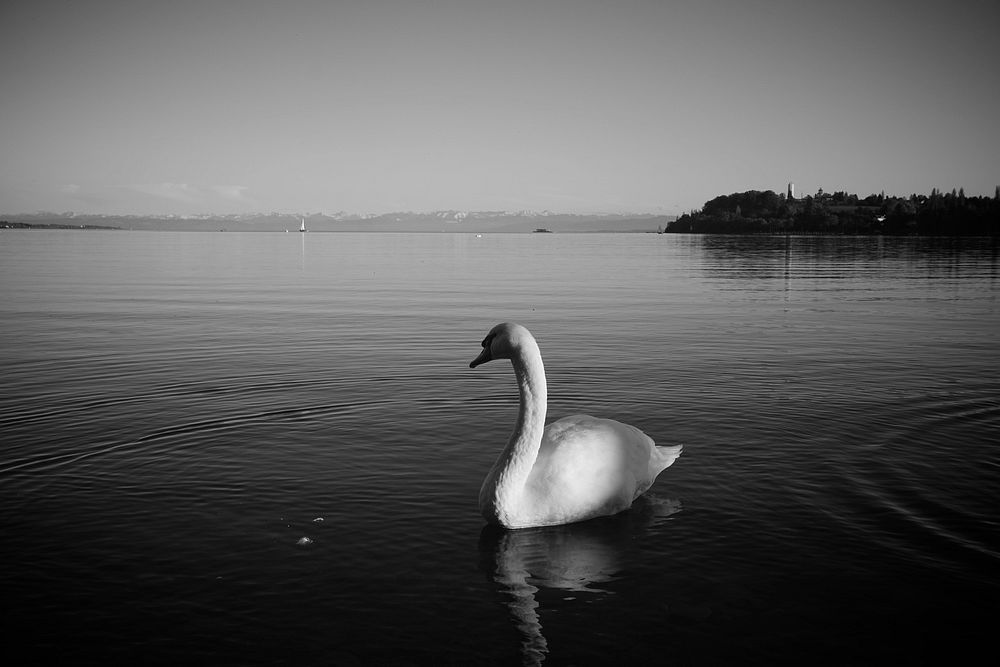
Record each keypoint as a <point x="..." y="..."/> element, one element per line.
<point x="238" y="449"/>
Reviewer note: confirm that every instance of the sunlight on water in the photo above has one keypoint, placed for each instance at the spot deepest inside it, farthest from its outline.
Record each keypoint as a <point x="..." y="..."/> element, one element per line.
<point x="180" y="410"/>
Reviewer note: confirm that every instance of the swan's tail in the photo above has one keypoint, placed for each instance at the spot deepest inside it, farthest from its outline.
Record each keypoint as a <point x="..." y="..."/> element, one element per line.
<point x="667" y="456"/>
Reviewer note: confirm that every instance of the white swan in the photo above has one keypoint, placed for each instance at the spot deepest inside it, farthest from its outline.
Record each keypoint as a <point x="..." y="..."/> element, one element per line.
<point x="574" y="469"/>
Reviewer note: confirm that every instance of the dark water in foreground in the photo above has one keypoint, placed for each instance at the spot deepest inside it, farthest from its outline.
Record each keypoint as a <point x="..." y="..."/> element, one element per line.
<point x="266" y="449"/>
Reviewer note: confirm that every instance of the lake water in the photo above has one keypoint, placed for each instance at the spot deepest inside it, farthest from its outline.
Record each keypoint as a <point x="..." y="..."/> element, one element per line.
<point x="236" y="449"/>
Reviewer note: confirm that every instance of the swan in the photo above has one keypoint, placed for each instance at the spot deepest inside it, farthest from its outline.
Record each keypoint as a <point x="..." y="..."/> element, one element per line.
<point x="577" y="468"/>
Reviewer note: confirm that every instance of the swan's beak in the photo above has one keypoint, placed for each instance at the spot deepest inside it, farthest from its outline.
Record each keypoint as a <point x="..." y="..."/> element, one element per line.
<point x="483" y="357"/>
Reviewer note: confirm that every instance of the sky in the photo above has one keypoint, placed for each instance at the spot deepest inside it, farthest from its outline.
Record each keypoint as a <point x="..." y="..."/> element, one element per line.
<point x="577" y="106"/>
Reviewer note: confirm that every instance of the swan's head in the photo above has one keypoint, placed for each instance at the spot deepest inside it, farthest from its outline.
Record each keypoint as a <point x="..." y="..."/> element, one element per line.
<point x="504" y="341"/>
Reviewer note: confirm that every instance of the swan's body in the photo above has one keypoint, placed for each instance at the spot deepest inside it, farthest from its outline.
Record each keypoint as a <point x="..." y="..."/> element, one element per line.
<point x="576" y="468"/>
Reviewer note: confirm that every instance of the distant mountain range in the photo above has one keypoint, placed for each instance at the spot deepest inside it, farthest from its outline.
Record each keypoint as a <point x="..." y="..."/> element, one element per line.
<point x="436" y="221"/>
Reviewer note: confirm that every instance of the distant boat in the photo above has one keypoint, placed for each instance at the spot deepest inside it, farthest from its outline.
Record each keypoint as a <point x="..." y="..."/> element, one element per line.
<point x="302" y="227"/>
<point x="542" y="230"/>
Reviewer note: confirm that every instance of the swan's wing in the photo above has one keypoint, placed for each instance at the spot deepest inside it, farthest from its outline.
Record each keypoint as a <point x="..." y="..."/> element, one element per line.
<point x="641" y="447"/>
<point x="588" y="457"/>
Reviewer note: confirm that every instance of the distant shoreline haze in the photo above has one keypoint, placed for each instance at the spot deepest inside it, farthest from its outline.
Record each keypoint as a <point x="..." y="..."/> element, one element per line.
<point x="750" y="212"/>
<point x="439" y="221"/>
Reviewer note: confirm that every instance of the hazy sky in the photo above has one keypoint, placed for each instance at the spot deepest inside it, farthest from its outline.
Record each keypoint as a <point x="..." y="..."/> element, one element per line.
<point x="178" y="106"/>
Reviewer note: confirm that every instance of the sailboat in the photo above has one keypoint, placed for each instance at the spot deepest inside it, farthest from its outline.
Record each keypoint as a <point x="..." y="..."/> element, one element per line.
<point x="302" y="226"/>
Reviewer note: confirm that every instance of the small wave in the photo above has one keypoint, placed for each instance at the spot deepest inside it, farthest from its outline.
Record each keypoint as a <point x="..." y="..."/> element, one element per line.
<point x="242" y="386"/>
<point x="913" y="492"/>
<point x="199" y="428"/>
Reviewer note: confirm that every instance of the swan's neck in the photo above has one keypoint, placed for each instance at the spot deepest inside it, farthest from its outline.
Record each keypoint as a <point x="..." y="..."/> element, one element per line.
<point x="503" y="487"/>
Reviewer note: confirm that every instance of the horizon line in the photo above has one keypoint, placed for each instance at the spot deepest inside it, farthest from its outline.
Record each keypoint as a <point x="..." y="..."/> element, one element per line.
<point x="467" y="212"/>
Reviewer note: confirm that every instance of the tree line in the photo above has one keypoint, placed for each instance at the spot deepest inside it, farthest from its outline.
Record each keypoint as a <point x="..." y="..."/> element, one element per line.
<point x="764" y="212"/>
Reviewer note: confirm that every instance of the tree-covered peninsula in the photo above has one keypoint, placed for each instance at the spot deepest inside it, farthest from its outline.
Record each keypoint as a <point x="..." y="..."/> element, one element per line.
<point x="756" y="212"/>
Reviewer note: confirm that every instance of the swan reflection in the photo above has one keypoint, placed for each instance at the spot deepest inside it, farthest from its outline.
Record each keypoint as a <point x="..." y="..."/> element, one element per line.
<point x="577" y="558"/>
